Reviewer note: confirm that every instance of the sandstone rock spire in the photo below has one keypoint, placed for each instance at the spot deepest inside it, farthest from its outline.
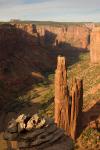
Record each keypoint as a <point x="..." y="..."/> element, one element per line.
<point x="61" y="95"/>
<point x="68" y="103"/>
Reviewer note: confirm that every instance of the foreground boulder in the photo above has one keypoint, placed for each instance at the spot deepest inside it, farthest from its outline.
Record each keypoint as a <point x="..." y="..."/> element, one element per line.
<point x="34" y="132"/>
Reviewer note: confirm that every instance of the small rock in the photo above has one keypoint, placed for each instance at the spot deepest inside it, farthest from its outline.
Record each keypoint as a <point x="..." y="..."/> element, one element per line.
<point x="22" y="122"/>
<point x="21" y="127"/>
<point x="12" y="126"/>
<point x="35" y="122"/>
<point x="36" y="118"/>
<point x="41" y="123"/>
<point x="21" y="118"/>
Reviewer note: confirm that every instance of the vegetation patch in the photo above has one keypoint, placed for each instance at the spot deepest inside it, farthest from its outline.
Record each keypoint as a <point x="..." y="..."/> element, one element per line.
<point x="90" y="138"/>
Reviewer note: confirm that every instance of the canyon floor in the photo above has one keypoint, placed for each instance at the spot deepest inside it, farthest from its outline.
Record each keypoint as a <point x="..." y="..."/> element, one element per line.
<point x="40" y="99"/>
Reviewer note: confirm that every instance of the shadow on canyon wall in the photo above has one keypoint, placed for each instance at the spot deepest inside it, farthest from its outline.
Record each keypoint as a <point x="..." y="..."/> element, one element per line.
<point x="24" y="60"/>
<point x="55" y="48"/>
<point x="25" y="56"/>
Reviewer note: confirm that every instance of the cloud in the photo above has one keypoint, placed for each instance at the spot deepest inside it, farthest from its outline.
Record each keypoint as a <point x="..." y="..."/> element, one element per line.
<point x="50" y="9"/>
<point x="5" y="3"/>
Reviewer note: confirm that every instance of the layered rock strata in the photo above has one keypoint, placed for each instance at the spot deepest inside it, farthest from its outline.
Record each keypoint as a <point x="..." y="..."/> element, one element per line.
<point x="53" y="36"/>
<point x="33" y="132"/>
<point x="95" y="45"/>
<point x="76" y="36"/>
<point x="21" y="46"/>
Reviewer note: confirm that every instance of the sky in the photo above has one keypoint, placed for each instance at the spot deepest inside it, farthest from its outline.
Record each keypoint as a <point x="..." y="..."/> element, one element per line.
<point x="51" y="10"/>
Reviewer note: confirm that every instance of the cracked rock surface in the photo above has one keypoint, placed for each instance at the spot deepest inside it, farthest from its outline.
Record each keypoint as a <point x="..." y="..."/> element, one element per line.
<point x="33" y="132"/>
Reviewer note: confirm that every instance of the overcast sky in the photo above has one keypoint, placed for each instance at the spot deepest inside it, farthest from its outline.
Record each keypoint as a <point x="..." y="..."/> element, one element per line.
<point x="50" y="10"/>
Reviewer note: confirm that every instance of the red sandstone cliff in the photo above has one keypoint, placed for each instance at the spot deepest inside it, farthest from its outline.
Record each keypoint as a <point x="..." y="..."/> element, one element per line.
<point x="24" y="54"/>
<point x="76" y="36"/>
<point x="21" y="52"/>
<point x="46" y="35"/>
<point x="95" y="45"/>
<point x="31" y="30"/>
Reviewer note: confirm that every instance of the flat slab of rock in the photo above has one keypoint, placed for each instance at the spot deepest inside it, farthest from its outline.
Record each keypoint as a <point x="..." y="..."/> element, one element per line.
<point x="34" y="132"/>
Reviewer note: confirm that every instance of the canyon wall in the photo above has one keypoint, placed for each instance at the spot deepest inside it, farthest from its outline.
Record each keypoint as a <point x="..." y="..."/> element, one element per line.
<point x="25" y="44"/>
<point x="76" y="36"/>
<point x="24" y="48"/>
<point x="28" y="51"/>
<point x="20" y="55"/>
<point x="54" y="36"/>
<point x="95" y="45"/>
<point x="31" y="30"/>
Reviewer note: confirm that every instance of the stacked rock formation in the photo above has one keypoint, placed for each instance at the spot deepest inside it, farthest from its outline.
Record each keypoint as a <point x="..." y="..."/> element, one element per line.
<point x="68" y="103"/>
<point x="95" y="45"/>
<point x="32" y="132"/>
<point x="61" y="91"/>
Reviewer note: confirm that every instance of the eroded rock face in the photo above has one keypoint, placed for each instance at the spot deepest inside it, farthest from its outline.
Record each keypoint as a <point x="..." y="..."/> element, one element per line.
<point x="45" y="35"/>
<point x="24" y="54"/>
<point x="76" y="36"/>
<point x="41" y="134"/>
<point x="19" y="51"/>
<point x="95" y="45"/>
<point x="31" y="30"/>
<point x="21" y="47"/>
<point x="22" y="61"/>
